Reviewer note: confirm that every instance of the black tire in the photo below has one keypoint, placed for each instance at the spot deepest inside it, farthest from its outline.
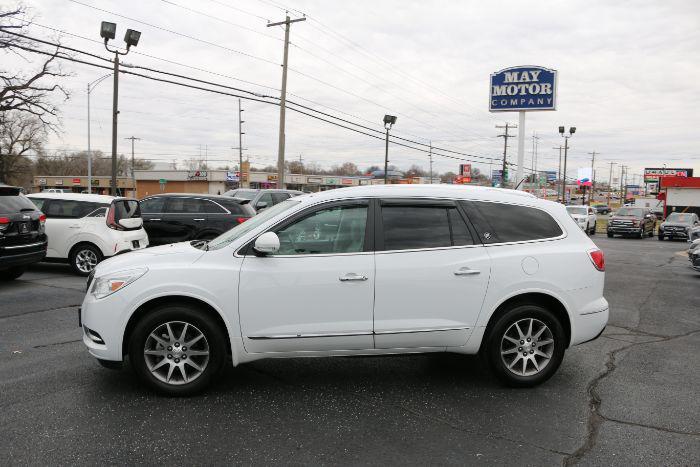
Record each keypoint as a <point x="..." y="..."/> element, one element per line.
<point x="651" y="232"/>
<point x="78" y="252"/>
<point x="214" y="337"/>
<point x="661" y="237"/>
<point x="610" y="235"/>
<point x="592" y="231"/>
<point x="505" y="324"/>
<point x="11" y="274"/>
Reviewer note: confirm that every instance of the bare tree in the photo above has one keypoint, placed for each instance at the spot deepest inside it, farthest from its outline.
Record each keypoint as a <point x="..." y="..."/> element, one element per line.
<point x="20" y="135"/>
<point x="27" y="92"/>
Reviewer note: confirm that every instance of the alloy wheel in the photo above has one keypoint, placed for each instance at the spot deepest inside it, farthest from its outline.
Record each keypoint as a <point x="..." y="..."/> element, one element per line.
<point x="527" y="347"/>
<point x="86" y="260"/>
<point x="176" y="352"/>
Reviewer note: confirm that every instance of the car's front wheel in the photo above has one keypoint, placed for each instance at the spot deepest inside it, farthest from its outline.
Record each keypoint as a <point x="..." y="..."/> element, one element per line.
<point x="526" y="345"/>
<point x="177" y="350"/>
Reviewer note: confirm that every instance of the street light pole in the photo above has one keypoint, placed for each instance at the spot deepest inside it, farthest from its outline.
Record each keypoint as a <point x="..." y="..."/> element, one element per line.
<point x="108" y="31"/>
<point x="91" y="87"/>
<point x="133" y="175"/>
<point x="572" y="130"/>
<point x="389" y="121"/>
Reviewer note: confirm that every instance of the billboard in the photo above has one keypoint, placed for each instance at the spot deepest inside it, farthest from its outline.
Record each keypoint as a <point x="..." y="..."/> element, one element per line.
<point x="651" y="175"/>
<point x="523" y="88"/>
<point x="465" y="173"/>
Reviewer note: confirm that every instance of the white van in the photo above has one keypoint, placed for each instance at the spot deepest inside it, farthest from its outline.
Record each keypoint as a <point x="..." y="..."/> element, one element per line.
<point x="85" y="229"/>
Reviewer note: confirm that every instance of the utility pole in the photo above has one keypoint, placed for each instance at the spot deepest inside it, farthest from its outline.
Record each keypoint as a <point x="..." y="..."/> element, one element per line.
<point x="301" y="165"/>
<point x="430" y="155"/>
<point x="566" y="153"/>
<point x="622" y="184"/>
<point x="133" y="175"/>
<point x="610" y="181"/>
<point x="505" y="137"/>
<point x="590" y="196"/>
<point x="240" y="145"/>
<point x="560" y="147"/>
<point x="283" y="99"/>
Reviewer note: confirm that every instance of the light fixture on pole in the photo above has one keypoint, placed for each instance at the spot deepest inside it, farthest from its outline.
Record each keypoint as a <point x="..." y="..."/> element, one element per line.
<point x="91" y="87"/>
<point x="108" y="31"/>
<point x="389" y="121"/>
<point x="562" y="131"/>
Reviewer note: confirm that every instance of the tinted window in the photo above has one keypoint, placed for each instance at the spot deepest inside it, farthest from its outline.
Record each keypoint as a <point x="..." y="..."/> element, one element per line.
<point x="68" y="209"/>
<point x="152" y="205"/>
<point x="637" y="212"/>
<point x="265" y="198"/>
<point x="279" y="197"/>
<point x="339" y="229"/>
<point x="186" y="206"/>
<point x="414" y="226"/>
<point x="511" y="223"/>
<point x="245" y="194"/>
<point x="213" y="208"/>
<point x="126" y="209"/>
<point x="13" y="203"/>
<point x="236" y="208"/>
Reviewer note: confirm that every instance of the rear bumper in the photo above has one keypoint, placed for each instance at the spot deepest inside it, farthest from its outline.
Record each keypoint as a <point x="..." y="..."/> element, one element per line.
<point x="590" y="321"/>
<point x="22" y="255"/>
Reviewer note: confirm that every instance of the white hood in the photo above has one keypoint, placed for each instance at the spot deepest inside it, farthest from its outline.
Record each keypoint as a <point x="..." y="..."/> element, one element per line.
<point x="182" y="253"/>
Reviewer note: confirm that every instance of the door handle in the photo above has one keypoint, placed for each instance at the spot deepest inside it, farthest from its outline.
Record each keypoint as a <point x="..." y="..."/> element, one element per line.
<point x="73" y="226"/>
<point x="197" y="219"/>
<point x="466" y="272"/>
<point x="152" y="220"/>
<point x="351" y="276"/>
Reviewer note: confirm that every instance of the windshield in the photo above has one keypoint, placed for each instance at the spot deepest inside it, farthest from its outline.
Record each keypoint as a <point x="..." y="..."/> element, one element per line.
<point x="680" y="218"/>
<point x="243" y="194"/>
<point x="252" y="223"/>
<point x="637" y="212"/>
<point x="577" y="210"/>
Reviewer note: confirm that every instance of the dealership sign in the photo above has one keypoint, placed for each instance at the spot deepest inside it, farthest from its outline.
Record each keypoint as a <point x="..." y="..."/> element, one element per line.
<point x="523" y="88"/>
<point x="652" y="175"/>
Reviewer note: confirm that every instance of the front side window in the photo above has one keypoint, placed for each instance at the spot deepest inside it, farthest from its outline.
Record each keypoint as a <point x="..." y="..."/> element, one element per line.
<point x="337" y="229"/>
<point x="408" y="227"/>
<point x="513" y="223"/>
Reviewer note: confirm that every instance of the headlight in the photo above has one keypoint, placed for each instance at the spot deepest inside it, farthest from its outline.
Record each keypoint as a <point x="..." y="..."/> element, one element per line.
<point x="110" y="283"/>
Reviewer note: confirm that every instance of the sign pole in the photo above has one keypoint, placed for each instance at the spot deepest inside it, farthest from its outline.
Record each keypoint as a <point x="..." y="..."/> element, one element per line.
<point x="521" y="150"/>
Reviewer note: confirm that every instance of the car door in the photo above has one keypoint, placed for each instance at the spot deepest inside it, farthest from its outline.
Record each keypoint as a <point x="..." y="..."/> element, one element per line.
<point x="264" y="201"/>
<point x="184" y="218"/>
<point x="431" y="277"/>
<point x="152" y="214"/>
<point x="63" y="224"/>
<point x="316" y="293"/>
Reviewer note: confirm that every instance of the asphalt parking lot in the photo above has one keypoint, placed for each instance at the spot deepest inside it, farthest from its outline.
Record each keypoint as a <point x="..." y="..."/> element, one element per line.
<point x="629" y="397"/>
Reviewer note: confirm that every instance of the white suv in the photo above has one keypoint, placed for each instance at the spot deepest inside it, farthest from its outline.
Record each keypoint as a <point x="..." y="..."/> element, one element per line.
<point x="585" y="217"/>
<point x="357" y="271"/>
<point x="85" y="229"/>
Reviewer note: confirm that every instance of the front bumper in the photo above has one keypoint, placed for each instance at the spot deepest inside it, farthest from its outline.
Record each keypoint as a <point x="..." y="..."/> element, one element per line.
<point x="624" y="230"/>
<point x="103" y="324"/>
<point x="674" y="234"/>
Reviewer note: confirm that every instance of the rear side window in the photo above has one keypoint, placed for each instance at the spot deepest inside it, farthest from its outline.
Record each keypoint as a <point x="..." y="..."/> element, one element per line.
<point x="14" y="202"/>
<point x="236" y="208"/>
<point x="152" y="205"/>
<point x="213" y="208"/>
<point x="408" y="227"/>
<point x="510" y="223"/>
<point x="186" y="206"/>
<point x="68" y="209"/>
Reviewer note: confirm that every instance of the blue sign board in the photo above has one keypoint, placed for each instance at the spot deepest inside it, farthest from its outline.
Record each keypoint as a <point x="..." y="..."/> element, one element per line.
<point x="523" y="88"/>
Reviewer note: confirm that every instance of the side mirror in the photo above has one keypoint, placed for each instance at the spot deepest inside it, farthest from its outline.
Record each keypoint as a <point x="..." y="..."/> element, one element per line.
<point x="267" y="243"/>
<point x="132" y="223"/>
<point x="260" y="206"/>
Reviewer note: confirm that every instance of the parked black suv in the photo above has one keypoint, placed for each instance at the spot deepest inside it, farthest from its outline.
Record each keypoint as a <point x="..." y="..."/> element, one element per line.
<point x="22" y="237"/>
<point x="633" y="222"/>
<point x="179" y="217"/>
<point x="678" y="225"/>
<point x="261" y="199"/>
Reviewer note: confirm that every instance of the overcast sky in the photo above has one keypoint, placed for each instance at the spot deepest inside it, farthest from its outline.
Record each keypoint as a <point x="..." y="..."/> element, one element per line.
<point x="628" y="78"/>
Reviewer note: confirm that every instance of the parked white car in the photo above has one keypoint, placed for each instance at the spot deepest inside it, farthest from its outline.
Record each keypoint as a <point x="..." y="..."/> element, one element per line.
<point x="585" y="217"/>
<point x="85" y="229"/>
<point x="357" y="271"/>
<point x="56" y="190"/>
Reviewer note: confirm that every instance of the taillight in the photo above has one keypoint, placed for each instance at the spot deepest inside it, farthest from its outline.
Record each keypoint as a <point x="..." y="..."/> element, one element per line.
<point x="42" y="219"/>
<point x="598" y="259"/>
<point x="241" y="219"/>
<point x="110" y="220"/>
<point x="4" y="223"/>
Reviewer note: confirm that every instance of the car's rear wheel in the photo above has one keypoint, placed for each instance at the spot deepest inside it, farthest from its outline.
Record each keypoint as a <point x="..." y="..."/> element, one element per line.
<point x="526" y="345"/>
<point x="84" y="257"/>
<point x="592" y="231"/>
<point x="177" y="350"/>
<point x="610" y="235"/>
<point x="11" y="274"/>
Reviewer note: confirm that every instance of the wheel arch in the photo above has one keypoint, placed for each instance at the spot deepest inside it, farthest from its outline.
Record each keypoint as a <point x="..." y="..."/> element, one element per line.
<point x="90" y="240"/>
<point x="165" y="300"/>
<point x="531" y="298"/>
<point x="83" y="242"/>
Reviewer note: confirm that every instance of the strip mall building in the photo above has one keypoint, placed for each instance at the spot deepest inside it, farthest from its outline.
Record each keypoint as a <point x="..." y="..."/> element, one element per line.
<point x="680" y="194"/>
